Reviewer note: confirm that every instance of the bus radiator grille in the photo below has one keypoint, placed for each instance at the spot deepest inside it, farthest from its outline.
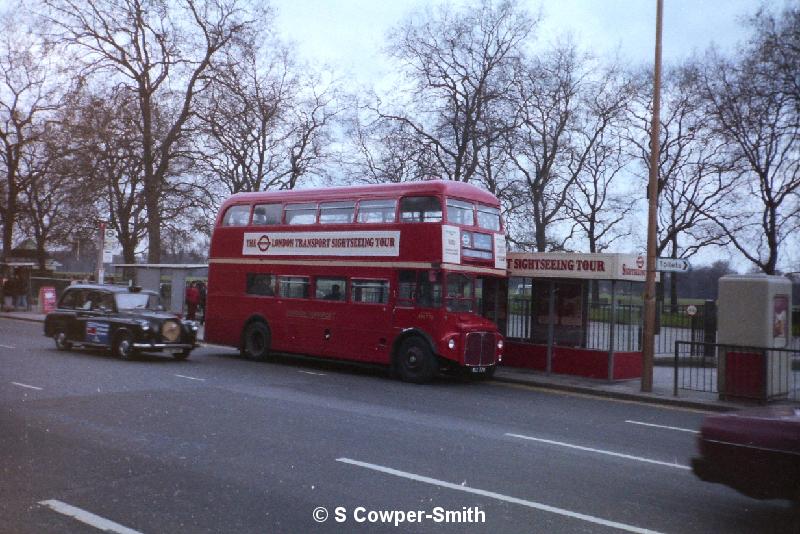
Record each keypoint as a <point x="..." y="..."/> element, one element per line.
<point x="479" y="349"/>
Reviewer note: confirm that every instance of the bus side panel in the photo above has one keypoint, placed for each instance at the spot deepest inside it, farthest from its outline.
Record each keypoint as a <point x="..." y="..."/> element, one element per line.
<point x="362" y="332"/>
<point x="229" y="306"/>
<point x="221" y="325"/>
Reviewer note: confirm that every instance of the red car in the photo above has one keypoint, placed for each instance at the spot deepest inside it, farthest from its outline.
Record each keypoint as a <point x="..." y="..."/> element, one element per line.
<point x="755" y="451"/>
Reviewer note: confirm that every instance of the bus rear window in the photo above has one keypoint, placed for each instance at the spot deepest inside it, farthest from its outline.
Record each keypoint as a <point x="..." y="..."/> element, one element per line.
<point x="236" y="216"/>
<point x="301" y="213"/>
<point x="377" y="211"/>
<point x="489" y="218"/>
<point x="267" y="214"/>
<point x="420" y="209"/>
<point x="337" y="212"/>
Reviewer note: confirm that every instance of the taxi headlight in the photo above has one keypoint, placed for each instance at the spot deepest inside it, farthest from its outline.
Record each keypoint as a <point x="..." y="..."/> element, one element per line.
<point x="171" y="331"/>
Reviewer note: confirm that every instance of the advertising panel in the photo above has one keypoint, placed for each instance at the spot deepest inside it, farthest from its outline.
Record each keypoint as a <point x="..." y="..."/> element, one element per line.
<point x="780" y="320"/>
<point x="371" y="243"/>
<point x="451" y="244"/>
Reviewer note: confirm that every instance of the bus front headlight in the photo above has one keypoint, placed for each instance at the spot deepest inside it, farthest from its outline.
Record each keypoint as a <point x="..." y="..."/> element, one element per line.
<point x="499" y="344"/>
<point x="452" y="343"/>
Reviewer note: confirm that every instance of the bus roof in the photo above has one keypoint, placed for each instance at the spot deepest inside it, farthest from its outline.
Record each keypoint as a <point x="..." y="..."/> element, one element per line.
<point x="447" y="187"/>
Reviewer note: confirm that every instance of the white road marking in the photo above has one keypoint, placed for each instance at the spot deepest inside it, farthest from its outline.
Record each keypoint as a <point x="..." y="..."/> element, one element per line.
<point x="26" y="386"/>
<point x="600" y="451"/>
<point x="679" y="429"/>
<point x="88" y="518"/>
<point x="191" y="378"/>
<point x="498" y="496"/>
<point x="311" y="373"/>
<point x="7" y="346"/>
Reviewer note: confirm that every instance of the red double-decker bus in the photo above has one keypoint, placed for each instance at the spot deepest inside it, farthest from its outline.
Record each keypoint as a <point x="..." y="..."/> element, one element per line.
<point x="405" y="274"/>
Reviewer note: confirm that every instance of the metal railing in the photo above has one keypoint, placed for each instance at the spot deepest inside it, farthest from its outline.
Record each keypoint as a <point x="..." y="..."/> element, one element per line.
<point x="737" y="371"/>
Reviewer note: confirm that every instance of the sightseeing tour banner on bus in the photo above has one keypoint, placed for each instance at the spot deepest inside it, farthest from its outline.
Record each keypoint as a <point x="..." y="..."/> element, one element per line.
<point x="371" y="243"/>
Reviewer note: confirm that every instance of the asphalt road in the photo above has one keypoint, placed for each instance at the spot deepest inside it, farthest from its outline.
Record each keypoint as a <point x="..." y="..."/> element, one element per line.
<point x="221" y="444"/>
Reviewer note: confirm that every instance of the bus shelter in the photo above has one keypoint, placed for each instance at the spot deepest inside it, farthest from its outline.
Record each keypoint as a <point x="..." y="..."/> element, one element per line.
<point x="169" y="280"/>
<point x="576" y="314"/>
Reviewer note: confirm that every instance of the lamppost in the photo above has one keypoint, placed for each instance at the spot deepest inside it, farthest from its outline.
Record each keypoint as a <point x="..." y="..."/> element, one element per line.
<point x="652" y="195"/>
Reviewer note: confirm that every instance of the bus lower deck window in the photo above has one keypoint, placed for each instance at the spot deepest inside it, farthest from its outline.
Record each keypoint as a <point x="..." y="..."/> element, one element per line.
<point x="293" y="287"/>
<point x="370" y="291"/>
<point x="330" y="289"/>
<point x="261" y="284"/>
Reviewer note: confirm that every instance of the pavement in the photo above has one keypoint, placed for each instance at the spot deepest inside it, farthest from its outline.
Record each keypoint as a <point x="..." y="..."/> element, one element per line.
<point x="627" y="390"/>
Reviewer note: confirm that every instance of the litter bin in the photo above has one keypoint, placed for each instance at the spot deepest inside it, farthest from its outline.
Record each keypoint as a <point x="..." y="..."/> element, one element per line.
<point x="754" y="316"/>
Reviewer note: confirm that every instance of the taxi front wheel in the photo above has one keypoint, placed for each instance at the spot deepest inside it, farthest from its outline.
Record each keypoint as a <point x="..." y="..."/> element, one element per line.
<point x="122" y="347"/>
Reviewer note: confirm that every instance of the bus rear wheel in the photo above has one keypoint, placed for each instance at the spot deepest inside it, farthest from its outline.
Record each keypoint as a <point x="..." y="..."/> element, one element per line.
<point x="415" y="361"/>
<point x="256" y="341"/>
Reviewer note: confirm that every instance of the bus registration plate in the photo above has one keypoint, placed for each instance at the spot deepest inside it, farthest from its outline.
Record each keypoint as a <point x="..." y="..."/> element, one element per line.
<point x="479" y="369"/>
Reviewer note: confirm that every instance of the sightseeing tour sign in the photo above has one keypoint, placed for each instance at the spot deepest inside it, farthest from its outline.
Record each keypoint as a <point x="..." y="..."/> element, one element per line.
<point x="609" y="266"/>
<point x="367" y="243"/>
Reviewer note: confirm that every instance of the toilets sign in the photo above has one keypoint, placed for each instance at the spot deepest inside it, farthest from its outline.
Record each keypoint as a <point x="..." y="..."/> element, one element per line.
<point x="672" y="265"/>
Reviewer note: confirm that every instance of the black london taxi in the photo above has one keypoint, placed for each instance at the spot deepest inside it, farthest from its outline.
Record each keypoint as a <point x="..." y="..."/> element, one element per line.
<point x="126" y="320"/>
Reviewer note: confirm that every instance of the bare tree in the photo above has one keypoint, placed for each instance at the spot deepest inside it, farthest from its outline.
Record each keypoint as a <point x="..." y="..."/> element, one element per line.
<point x="692" y="184"/>
<point x="104" y="149"/>
<point x="751" y="112"/>
<point x="27" y="96"/>
<point x="162" y="51"/>
<point x="384" y="151"/>
<point x="457" y="65"/>
<point x="53" y="199"/>
<point x="265" y="123"/>
<point x="558" y="127"/>
<point x="597" y="206"/>
<point x="593" y="204"/>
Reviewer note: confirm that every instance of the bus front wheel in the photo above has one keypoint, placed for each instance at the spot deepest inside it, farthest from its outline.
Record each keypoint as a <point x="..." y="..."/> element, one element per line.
<point x="415" y="361"/>
<point x="256" y="341"/>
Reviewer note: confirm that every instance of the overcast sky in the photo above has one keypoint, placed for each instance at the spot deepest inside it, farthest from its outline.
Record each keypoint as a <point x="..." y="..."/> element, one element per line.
<point x="348" y="34"/>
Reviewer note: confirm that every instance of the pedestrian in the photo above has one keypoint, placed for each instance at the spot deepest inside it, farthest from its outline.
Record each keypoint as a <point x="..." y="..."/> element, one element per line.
<point x="192" y="301"/>
<point x="5" y="298"/>
<point x="22" y="291"/>
<point x="201" y="287"/>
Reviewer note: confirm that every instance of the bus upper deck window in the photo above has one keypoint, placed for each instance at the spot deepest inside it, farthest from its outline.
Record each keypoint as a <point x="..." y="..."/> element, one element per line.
<point x="237" y="216"/>
<point x="337" y="212"/>
<point x="489" y="218"/>
<point x="301" y="213"/>
<point x="377" y="211"/>
<point x="420" y="209"/>
<point x="460" y="212"/>
<point x="267" y="214"/>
